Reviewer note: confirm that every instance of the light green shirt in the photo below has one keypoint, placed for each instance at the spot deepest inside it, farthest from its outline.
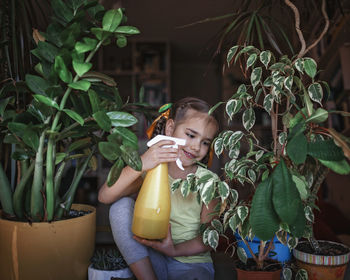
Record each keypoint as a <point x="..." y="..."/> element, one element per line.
<point x="185" y="217"/>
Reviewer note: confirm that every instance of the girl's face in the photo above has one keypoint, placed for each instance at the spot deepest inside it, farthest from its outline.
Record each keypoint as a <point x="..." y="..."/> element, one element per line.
<point x="199" y="131"/>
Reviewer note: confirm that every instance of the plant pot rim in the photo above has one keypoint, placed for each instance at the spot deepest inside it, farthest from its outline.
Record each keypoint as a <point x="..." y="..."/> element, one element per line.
<point x="320" y="259"/>
<point x="76" y="206"/>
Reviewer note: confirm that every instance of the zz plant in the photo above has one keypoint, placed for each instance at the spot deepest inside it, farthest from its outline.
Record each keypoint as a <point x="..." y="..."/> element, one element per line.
<point x="74" y="113"/>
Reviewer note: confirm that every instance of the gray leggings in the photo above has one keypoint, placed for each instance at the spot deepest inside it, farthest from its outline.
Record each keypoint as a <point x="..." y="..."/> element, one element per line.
<point x="166" y="268"/>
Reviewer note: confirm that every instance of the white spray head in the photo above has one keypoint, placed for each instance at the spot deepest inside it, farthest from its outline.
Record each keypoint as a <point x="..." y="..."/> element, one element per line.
<point x="178" y="142"/>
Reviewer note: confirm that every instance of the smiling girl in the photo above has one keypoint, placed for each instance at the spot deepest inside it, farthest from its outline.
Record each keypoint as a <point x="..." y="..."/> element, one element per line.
<point x="182" y="254"/>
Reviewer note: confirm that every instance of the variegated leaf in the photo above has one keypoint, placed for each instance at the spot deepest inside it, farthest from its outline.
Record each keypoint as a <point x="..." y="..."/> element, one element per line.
<point x="205" y="235"/>
<point x="251" y="60"/>
<point x="265" y="57"/>
<point x="241" y="89"/>
<point x="218" y="146"/>
<point x="217" y="225"/>
<point x="226" y="136"/>
<point x="242" y="212"/>
<point x="302" y="275"/>
<point x="234" y="151"/>
<point x="233" y="106"/>
<point x="255" y="77"/>
<point x="208" y="191"/>
<point x="309" y="214"/>
<point x="282" y="236"/>
<point x="268" y="103"/>
<point x="234" y="195"/>
<point x="288" y="83"/>
<point x="248" y="119"/>
<point x="252" y="175"/>
<point x="259" y="154"/>
<point x="235" y="137"/>
<point x="231" y="53"/>
<point x="224" y="190"/>
<point x="213" y="239"/>
<point x="242" y="255"/>
<point x="282" y="137"/>
<point x="299" y="65"/>
<point x="310" y="67"/>
<point x="268" y="82"/>
<point x="185" y="188"/>
<point x="316" y="92"/>
<point x="176" y="184"/>
<point x="233" y="222"/>
<point x="287" y="273"/>
<point x="292" y="242"/>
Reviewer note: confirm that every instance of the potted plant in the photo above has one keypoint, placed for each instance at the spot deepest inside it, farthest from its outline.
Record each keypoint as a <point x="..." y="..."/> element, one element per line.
<point x="72" y="114"/>
<point x="108" y="263"/>
<point x="286" y="175"/>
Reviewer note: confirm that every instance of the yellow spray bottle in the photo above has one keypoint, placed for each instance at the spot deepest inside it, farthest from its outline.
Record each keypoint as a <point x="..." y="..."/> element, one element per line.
<point x="152" y="206"/>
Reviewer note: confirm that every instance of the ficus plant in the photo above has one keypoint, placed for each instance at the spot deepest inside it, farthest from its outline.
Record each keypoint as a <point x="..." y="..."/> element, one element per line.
<point x="74" y="114"/>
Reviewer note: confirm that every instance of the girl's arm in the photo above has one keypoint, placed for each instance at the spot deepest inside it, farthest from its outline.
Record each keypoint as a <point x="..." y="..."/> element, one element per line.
<point x="130" y="180"/>
<point x="191" y="247"/>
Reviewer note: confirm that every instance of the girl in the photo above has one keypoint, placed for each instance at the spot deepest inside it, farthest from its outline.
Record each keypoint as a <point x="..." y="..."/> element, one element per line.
<point x="182" y="254"/>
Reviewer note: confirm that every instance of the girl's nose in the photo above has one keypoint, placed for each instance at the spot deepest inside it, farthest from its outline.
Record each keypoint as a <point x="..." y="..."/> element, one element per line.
<point x="195" y="145"/>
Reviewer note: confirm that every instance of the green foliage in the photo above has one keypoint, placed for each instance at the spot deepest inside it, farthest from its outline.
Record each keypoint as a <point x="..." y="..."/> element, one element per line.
<point x="108" y="259"/>
<point x="74" y="112"/>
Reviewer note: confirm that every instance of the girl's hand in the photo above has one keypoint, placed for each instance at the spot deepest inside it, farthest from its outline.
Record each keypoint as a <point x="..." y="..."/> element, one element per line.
<point x="165" y="246"/>
<point x="156" y="155"/>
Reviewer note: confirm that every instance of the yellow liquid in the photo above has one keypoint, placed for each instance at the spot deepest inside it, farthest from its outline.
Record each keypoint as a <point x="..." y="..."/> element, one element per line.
<point x="150" y="228"/>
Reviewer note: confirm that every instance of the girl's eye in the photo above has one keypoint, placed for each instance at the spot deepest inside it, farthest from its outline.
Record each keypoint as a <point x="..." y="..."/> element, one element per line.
<point x="206" y="143"/>
<point x="190" y="135"/>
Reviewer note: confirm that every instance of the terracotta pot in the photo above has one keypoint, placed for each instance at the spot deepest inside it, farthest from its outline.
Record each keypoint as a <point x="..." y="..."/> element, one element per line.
<point x="258" y="275"/>
<point x="42" y="251"/>
<point x="322" y="267"/>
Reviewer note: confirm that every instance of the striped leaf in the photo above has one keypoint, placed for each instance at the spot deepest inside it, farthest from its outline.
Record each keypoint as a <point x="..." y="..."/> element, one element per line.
<point x="251" y="60"/>
<point x="231" y="53"/>
<point x="213" y="239"/>
<point x="242" y="212"/>
<point x="315" y="92"/>
<point x="288" y="83"/>
<point x="233" y="106"/>
<point x="265" y="58"/>
<point x="248" y="119"/>
<point x="299" y="65"/>
<point x="218" y="146"/>
<point x="268" y="103"/>
<point x="255" y="77"/>
<point x="224" y="190"/>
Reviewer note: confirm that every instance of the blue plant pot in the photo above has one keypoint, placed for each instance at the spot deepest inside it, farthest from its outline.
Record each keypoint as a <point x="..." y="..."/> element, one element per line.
<point x="280" y="253"/>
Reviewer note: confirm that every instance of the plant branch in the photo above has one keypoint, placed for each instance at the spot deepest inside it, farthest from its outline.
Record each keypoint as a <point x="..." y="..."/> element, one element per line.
<point x="297" y="27"/>
<point x="250" y="250"/>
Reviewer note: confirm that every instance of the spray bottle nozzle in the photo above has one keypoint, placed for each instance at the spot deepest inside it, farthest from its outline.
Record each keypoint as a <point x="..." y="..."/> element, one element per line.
<point x="178" y="141"/>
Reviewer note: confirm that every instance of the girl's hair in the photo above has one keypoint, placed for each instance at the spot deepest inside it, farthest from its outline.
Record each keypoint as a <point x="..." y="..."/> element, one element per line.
<point x="178" y="112"/>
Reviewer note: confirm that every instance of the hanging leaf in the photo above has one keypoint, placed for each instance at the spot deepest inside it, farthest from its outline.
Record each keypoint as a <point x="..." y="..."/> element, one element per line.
<point x="242" y="255"/>
<point x="315" y="92"/>
<point x="341" y="167"/>
<point x="103" y="120"/>
<point x="46" y="100"/>
<point x="297" y="148"/>
<point x="233" y="106"/>
<point x="231" y="53"/>
<point x="212" y="109"/>
<point x="309" y="214"/>
<point x="242" y="212"/>
<point x="255" y="77"/>
<point x="310" y="67"/>
<point x="109" y="150"/>
<point x="75" y="116"/>
<point x="128" y="137"/>
<point x="218" y="146"/>
<point x="302" y="275"/>
<point x="325" y="150"/>
<point x="233" y="222"/>
<point x="121" y="119"/>
<point x="115" y="172"/>
<point x="213" y="239"/>
<point x="80" y="85"/>
<point x="268" y="103"/>
<point x="121" y="41"/>
<point x="288" y="83"/>
<point x="248" y="118"/>
<point x="207" y="192"/>
<point x="282" y="137"/>
<point x="185" y="188"/>
<point x="299" y="65"/>
<point x="217" y="225"/>
<point x="112" y="19"/>
<point x="265" y="58"/>
<point x="131" y="157"/>
<point x="319" y="116"/>
<point x="94" y="100"/>
<point x="287" y="273"/>
<point x="224" y="190"/>
<point x="251" y="60"/>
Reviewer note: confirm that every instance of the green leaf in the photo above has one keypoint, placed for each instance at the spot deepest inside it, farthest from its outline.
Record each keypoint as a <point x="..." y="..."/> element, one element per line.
<point x="287" y="273"/>
<point x="81" y="68"/>
<point x="207" y="191"/>
<point x="115" y="172"/>
<point x="302" y="275"/>
<point x="31" y="138"/>
<point x="47" y="51"/>
<point x="37" y="84"/>
<point x="297" y="148"/>
<point x="233" y="106"/>
<point x="103" y="120"/>
<point x="88" y="44"/>
<point x="301" y="185"/>
<point x="242" y="212"/>
<point x="60" y="157"/>
<point x="310" y="67"/>
<point x="4" y="103"/>
<point x="224" y="190"/>
<point x="213" y="239"/>
<point x="299" y="65"/>
<point x="341" y="167"/>
<point x="75" y="116"/>
<point x="112" y="19"/>
<point x="130" y="30"/>
<point x="109" y="150"/>
<point x="185" y="188"/>
<point x="242" y="255"/>
<point x="268" y="103"/>
<point x="255" y="77"/>
<point x="62" y="11"/>
<point x="62" y="70"/>
<point x="46" y="100"/>
<point x="121" y="118"/>
<point x="100" y="33"/>
<point x="131" y="157"/>
<point x="218" y="146"/>
<point x="79" y="144"/>
<point x="94" y="100"/>
<point x="325" y="150"/>
<point x="80" y="85"/>
<point x="319" y="116"/>
<point x="263" y="218"/>
<point x="231" y="53"/>
<point x="129" y="138"/>
<point x="316" y="92"/>
<point x="121" y="41"/>
<point x="285" y="196"/>
<point x="248" y="118"/>
<point x="212" y="109"/>
<point x="265" y="58"/>
<point x="251" y="60"/>
<point x="288" y="83"/>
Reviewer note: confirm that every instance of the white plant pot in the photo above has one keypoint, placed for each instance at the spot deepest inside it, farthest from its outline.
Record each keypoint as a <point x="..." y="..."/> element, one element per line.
<point x="96" y="274"/>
